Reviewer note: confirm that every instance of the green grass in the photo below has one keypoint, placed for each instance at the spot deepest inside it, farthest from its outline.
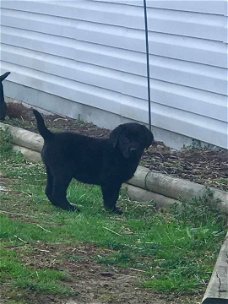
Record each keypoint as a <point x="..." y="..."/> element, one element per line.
<point x="175" y="252"/>
<point x="41" y="280"/>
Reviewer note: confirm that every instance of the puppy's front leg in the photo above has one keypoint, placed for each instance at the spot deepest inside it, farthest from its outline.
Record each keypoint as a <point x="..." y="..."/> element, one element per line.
<point x="110" y="192"/>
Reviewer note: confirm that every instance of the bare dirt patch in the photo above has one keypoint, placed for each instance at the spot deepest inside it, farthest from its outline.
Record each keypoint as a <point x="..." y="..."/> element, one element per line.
<point x="91" y="282"/>
<point x="201" y="165"/>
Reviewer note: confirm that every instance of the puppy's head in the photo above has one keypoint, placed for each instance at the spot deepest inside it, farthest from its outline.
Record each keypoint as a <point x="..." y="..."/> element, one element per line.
<point x="131" y="139"/>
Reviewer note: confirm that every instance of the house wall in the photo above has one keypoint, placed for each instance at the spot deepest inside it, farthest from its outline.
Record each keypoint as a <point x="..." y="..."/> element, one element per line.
<point x="87" y="58"/>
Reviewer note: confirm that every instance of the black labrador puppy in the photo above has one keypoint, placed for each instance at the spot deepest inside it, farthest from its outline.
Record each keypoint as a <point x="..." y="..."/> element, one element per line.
<point x="105" y="162"/>
<point x="3" y="106"/>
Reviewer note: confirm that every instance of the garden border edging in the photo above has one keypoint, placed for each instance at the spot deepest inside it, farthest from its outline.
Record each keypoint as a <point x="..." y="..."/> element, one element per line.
<point x="217" y="289"/>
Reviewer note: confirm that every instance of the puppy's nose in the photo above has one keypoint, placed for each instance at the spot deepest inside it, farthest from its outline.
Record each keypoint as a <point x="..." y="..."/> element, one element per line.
<point x="133" y="150"/>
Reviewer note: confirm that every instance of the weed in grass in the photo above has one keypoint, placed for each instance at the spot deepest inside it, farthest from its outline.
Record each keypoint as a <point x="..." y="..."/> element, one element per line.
<point x="5" y="142"/>
<point x="199" y="211"/>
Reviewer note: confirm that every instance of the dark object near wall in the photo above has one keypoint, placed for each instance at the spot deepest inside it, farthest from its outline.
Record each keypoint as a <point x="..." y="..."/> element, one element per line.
<point x="3" y="106"/>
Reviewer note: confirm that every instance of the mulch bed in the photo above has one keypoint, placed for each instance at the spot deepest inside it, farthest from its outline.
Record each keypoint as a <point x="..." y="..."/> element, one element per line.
<point x="205" y="166"/>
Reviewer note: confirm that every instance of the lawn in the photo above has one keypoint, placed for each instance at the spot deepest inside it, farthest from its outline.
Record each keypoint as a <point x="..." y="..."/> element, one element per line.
<point x="49" y="255"/>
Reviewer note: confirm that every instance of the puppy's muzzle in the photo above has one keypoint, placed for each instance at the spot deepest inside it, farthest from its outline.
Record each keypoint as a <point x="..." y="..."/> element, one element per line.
<point x="133" y="150"/>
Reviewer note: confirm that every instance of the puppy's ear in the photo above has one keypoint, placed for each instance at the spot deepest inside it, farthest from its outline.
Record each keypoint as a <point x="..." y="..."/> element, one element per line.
<point x="114" y="135"/>
<point x="149" y="137"/>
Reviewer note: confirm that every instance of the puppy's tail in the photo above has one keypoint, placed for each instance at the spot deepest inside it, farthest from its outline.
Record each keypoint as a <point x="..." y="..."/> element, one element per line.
<point x="3" y="76"/>
<point x="44" y="132"/>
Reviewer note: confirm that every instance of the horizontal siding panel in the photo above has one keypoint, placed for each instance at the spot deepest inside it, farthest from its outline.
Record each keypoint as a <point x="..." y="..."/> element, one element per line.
<point x="88" y="53"/>
<point x="198" y="76"/>
<point x="78" y="51"/>
<point x="95" y="76"/>
<point x="199" y="6"/>
<point x="104" y="13"/>
<point x="190" y="74"/>
<point x="83" y="31"/>
<point x="203" y="128"/>
<point x="183" y="18"/>
<point x="69" y="89"/>
<point x="129" y="16"/>
<point x="207" y="52"/>
<point x="185" y="24"/>
<point x="226" y="27"/>
<point x="167" y="94"/>
<point x="190" y="100"/>
<point x="188" y="49"/>
<point x="211" y="78"/>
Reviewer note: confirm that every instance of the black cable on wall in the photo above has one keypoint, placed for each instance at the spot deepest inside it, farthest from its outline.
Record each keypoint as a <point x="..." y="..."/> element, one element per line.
<point x="147" y="62"/>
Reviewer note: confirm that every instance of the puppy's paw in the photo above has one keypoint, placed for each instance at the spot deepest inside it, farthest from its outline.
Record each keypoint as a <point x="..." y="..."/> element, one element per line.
<point x="118" y="211"/>
<point x="115" y="210"/>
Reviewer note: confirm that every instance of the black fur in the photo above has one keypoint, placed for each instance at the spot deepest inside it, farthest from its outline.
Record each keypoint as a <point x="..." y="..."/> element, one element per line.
<point x="3" y="106"/>
<point x="105" y="162"/>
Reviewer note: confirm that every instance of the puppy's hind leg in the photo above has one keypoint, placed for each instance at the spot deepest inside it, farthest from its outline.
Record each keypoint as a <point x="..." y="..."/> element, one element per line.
<point x="110" y="192"/>
<point x="59" y="191"/>
<point x="49" y="185"/>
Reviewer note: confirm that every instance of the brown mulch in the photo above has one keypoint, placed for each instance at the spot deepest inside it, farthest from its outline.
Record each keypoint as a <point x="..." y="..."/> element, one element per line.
<point x="205" y="166"/>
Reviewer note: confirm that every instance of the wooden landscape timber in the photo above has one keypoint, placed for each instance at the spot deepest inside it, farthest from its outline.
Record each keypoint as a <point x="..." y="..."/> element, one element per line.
<point x="217" y="290"/>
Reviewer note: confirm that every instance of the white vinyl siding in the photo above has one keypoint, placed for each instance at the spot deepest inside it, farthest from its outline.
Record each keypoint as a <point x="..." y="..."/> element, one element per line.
<point x="92" y="52"/>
